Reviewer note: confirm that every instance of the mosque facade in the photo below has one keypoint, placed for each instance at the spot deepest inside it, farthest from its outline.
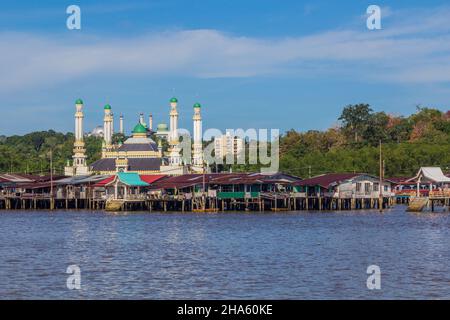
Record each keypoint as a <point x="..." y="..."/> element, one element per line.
<point x="139" y="153"/>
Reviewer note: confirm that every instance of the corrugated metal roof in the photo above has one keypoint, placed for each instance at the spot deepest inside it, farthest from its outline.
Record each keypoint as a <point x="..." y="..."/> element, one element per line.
<point x="16" y="178"/>
<point x="151" y="178"/>
<point x="325" y="180"/>
<point x="103" y="182"/>
<point x="37" y="185"/>
<point x="81" y="179"/>
<point x="187" y="180"/>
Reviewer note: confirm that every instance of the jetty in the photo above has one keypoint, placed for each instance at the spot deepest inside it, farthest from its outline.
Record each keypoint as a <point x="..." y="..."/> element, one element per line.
<point x="214" y="192"/>
<point x="431" y="190"/>
<point x="202" y="193"/>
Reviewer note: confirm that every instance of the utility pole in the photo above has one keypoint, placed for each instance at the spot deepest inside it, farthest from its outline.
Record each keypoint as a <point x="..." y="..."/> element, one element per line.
<point x="204" y="187"/>
<point x="380" y="199"/>
<point x="51" y="179"/>
<point x="309" y="171"/>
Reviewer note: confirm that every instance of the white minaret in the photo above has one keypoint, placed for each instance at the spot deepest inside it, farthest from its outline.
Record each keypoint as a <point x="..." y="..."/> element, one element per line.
<point x="79" y="152"/>
<point x="173" y="134"/>
<point x="197" y="154"/>
<point x="108" y="126"/>
<point x="150" y="122"/>
<point x="79" y="120"/>
<point x="112" y="125"/>
<point x="174" y="149"/>
<point x="121" y="124"/>
<point x="141" y="119"/>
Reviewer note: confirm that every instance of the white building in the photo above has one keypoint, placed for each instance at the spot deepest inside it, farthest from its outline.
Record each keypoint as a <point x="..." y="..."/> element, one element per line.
<point x="228" y="144"/>
<point x="96" y="132"/>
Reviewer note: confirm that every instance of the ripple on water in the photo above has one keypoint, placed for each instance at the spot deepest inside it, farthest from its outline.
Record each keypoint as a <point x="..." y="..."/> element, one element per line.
<point x="233" y="255"/>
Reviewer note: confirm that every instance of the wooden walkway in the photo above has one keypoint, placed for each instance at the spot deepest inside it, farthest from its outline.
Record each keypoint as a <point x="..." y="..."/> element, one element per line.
<point x="264" y="202"/>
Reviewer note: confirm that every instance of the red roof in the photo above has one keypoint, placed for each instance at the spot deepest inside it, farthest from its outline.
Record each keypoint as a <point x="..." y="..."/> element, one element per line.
<point x="182" y="181"/>
<point x="102" y="183"/>
<point x="151" y="178"/>
<point x="188" y="180"/>
<point x="326" y="180"/>
<point x="36" y="185"/>
<point x="398" y="180"/>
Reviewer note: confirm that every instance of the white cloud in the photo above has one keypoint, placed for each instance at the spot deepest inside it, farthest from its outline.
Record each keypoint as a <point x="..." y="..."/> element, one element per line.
<point x="414" y="47"/>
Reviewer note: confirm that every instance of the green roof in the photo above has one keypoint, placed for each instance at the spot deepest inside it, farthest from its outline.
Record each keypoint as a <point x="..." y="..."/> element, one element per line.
<point x="174" y="99"/>
<point x="139" y="128"/>
<point x="197" y="105"/>
<point x="107" y="107"/>
<point x="79" y="101"/>
<point x="131" y="179"/>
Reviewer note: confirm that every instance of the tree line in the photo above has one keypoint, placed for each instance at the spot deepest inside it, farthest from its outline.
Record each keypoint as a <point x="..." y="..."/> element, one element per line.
<point x="421" y="139"/>
<point x="31" y="153"/>
<point x="408" y="142"/>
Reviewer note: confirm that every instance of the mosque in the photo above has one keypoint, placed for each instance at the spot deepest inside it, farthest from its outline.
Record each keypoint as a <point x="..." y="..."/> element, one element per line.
<point x="138" y="153"/>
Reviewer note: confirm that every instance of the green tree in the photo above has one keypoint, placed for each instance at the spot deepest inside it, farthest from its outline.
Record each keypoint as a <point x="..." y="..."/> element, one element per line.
<point x="355" y="119"/>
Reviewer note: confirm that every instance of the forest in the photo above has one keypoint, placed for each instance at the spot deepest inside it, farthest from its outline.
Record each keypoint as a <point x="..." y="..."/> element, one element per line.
<point x="408" y="142"/>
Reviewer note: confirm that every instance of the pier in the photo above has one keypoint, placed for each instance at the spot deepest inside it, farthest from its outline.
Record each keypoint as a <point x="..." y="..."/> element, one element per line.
<point x="259" y="202"/>
<point x="213" y="192"/>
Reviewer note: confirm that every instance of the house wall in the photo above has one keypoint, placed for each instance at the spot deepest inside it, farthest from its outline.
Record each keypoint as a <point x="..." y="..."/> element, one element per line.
<point x="363" y="187"/>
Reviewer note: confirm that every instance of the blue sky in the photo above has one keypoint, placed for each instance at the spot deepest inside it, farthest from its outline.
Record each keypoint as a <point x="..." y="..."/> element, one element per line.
<point x="250" y="63"/>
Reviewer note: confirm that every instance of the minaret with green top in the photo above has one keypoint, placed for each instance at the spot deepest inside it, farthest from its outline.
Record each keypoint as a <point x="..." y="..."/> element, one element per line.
<point x="79" y="152"/>
<point x="108" y="126"/>
<point x="173" y="125"/>
<point x="174" y="149"/>
<point x="197" y="154"/>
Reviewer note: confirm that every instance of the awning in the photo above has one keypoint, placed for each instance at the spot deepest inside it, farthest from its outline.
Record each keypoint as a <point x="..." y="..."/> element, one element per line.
<point x="432" y="174"/>
<point x="130" y="179"/>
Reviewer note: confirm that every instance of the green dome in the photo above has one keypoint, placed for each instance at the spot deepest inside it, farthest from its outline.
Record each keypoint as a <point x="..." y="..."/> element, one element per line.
<point x="107" y="107"/>
<point x="174" y="100"/>
<point x="197" y="105"/>
<point x="162" y="127"/>
<point x="79" y="101"/>
<point x="139" y="128"/>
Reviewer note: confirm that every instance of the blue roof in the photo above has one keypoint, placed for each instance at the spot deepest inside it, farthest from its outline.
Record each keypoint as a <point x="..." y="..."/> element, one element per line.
<point x="131" y="179"/>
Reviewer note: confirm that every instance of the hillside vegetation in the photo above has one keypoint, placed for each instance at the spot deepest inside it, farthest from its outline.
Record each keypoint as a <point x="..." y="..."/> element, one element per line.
<point x="421" y="139"/>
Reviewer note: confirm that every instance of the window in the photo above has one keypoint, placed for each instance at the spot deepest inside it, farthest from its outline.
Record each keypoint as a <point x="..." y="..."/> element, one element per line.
<point x="367" y="187"/>
<point x="376" y="186"/>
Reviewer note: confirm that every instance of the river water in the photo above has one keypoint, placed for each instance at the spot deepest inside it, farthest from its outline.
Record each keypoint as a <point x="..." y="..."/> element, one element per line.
<point x="301" y="255"/>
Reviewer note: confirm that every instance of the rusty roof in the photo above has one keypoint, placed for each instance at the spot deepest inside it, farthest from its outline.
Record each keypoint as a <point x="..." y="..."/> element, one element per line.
<point x="325" y="180"/>
<point x="188" y="180"/>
